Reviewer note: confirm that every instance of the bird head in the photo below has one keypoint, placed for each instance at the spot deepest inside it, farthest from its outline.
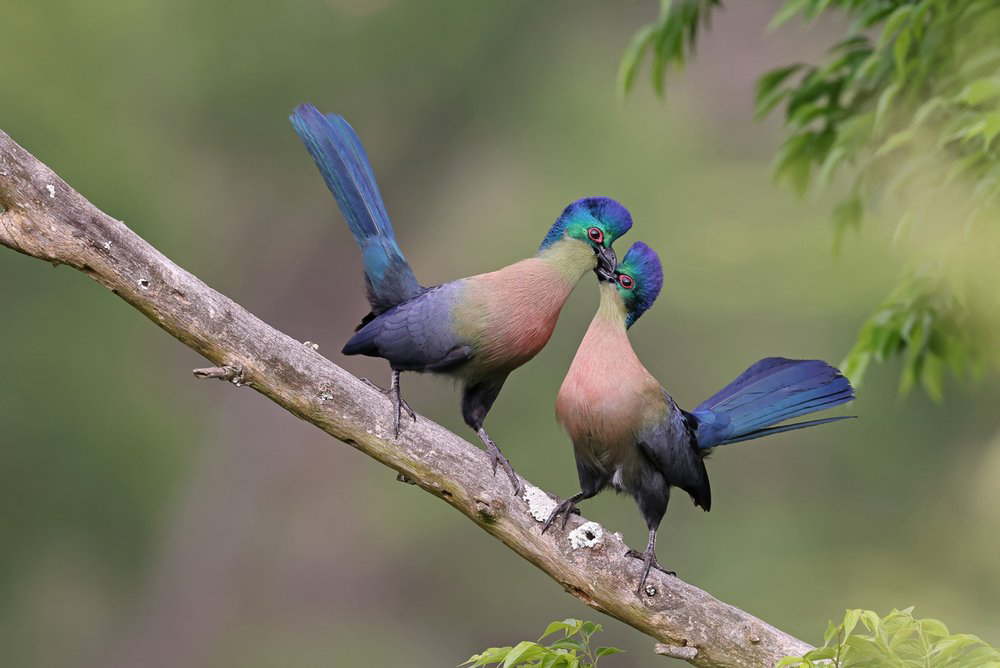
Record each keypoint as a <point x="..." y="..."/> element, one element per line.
<point x="596" y="222"/>
<point x="638" y="279"/>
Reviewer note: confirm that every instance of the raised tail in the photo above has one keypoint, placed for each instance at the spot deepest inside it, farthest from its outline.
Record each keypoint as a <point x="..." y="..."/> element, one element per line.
<point x="341" y="159"/>
<point x="773" y="390"/>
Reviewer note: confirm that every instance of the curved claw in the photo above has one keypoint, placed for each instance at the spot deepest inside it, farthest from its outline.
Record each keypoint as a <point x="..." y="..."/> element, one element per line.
<point x="498" y="459"/>
<point x="401" y="405"/>
<point x="566" y="508"/>
<point x="650" y="562"/>
<point x="374" y="386"/>
<point x="397" y="400"/>
<point x="406" y="407"/>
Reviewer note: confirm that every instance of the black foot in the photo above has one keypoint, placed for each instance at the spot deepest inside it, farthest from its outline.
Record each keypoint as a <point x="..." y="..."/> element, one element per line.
<point x="649" y="562"/>
<point x="566" y="508"/>
<point x="397" y="400"/>
<point x="499" y="460"/>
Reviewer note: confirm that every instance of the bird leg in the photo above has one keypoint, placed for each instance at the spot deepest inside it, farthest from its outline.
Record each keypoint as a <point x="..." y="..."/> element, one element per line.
<point x="499" y="459"/>
<point x="566" y="508"/>
<point x="649" y="561"/>
<point x="397" y="399"/>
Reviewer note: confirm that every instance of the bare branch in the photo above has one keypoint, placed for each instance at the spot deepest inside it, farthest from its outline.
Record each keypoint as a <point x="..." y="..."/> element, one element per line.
<point x="43" y="217"/>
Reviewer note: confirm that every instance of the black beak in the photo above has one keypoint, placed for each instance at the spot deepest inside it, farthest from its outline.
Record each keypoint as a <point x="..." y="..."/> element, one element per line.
<point x="606" y="263"/>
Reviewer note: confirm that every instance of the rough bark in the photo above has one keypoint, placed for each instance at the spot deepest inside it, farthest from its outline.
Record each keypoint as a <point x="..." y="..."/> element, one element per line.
<point x="43" y="217"/>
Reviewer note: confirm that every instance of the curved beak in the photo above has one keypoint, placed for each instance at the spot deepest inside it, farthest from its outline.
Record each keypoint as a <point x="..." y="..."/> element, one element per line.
<point x="606" y="263"/>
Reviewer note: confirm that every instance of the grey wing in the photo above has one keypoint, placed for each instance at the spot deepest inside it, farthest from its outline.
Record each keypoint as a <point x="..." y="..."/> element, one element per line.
<point x="416" y="335"/>
<point x="672" y="447"/>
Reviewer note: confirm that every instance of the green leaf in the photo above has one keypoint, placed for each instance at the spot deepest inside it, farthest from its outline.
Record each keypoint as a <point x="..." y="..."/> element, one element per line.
<point x="791" y="8"/>
<point x="833" y="160"/>
<point x="873" y="14"/>
<point x="569" y="643"/>
<point x="769" y="91"/>
<point x="558" y="661"/>
<point x="900" y="49"/>
<point x="896" y="141"/>
<point x="846" y="218"/>
<point x="629" y="65"/>
<point x="979" y="91"/>
<point x="522" y="652"/>
<point x="991" y="128"/>
<point x="928" y="109"/>
<point x="607" y="651"/>
<point x="934" y="627"/>
<point x="569" y="627"/>
<point x="894" y="23"/>
<point x="492" y="655"/>
<point x="885" y="102"/>
<point x="822" y="654"/>
<point x="850" y="621"/>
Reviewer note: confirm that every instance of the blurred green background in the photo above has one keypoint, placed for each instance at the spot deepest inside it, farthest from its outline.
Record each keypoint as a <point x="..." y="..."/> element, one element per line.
<point x="149" y="519"/>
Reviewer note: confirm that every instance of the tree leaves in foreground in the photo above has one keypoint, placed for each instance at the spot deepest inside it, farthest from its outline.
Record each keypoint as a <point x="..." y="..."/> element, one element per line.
<point x="571" y="650"/>
<point x="905" y="110"/>
<point x="899" y="640"/>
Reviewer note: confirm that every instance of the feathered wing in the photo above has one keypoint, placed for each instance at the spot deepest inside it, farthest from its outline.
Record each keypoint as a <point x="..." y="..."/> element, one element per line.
<point x="344" y="165"/>
<point x="670" y="445"/>
<point x="416" y="335"/>
<point x="773" y="390"/>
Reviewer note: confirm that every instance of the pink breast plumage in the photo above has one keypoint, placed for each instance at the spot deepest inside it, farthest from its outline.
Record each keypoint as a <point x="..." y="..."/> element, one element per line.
<point x="606" y="390"/>
<point x="520" y="307"/>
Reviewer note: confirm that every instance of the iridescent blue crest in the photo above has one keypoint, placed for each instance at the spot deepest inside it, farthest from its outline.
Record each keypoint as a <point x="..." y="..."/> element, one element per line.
<point x="603" y="212"/>
<point x="642" y="265"/>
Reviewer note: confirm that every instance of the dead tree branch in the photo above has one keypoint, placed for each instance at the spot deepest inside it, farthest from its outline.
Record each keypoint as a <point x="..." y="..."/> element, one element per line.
<point x="41" y="216"/>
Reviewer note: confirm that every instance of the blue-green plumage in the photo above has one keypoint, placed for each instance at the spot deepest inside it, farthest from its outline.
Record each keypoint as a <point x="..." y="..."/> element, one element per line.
<point x="628" y="432"/>
<point x="773" y="390"/>
<point x="344" y="165"/>
<point x="477" y="329"/>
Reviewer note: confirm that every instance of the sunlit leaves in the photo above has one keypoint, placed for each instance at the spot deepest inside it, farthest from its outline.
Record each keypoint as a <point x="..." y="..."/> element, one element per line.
<point x="924" y="73"/>
<point x="898" y="639"/>
<point x="571" y="649"/>
<point x="925" y="325"/>
<point x="907" y="105"/>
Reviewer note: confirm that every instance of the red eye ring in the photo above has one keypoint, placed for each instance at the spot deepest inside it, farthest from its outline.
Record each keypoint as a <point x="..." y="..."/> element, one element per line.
<point x="596" y="235"/>
<point x="626" y="281"/>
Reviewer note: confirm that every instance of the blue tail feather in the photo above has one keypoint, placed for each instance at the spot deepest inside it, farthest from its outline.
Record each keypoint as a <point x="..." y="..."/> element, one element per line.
<point x="777" y="430"/>
<point x="773" y="390"/>
<point x="344" y="165"/>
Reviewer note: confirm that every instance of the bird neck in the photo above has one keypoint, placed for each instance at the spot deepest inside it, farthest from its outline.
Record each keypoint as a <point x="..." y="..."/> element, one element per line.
<point x="611" y="312"/>
<point x="607" y="393"/>
<point x="569" y="258"/>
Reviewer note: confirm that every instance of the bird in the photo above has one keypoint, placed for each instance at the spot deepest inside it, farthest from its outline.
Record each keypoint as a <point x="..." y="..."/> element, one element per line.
<point x="478" y="329"/>
<point x="628" y="432"/>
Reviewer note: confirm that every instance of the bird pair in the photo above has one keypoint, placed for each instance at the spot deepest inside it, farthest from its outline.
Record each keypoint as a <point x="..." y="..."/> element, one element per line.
<point x="627" y="432"/>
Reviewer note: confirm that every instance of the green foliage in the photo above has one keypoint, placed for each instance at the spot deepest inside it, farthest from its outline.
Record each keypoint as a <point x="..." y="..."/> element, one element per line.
<point x="571" y="650"/>
<point x="907" y="106"/>
<point x="899" y="640"/>
<point x="914" y="81"/>
<point x="670" y="39"/>
<point x="925" y="324"/>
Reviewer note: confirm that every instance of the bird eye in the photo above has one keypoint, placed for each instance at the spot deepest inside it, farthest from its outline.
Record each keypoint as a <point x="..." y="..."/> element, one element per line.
<point x="626" y="281"/>
<point x="596" y="235"/>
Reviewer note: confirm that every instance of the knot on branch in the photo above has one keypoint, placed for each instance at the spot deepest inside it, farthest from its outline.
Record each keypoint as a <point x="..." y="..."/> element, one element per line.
<point x="488" y="508"/>
<point x="675" y="652"/>
<point x="232" y="374"/>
